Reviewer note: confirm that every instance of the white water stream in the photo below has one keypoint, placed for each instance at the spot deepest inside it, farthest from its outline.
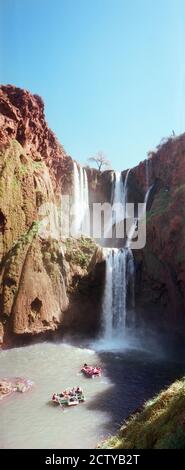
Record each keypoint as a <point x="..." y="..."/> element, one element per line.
<point x="119" y="272"/>
<point x="81" y="219"/>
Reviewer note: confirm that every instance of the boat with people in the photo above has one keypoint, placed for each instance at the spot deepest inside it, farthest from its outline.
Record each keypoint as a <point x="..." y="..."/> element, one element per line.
<point x="91" y="371"/>
<point x="69" y="397"/>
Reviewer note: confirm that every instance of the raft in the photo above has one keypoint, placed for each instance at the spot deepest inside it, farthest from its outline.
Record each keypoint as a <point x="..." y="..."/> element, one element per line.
<point x="67" y="399"/>
<point x="90" y="371"/>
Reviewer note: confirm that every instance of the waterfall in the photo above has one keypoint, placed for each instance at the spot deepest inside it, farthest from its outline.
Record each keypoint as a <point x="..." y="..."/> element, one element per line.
<point x="136" y="219"/>
<point x="119" y="278"/>
<point x="76" y="200"/>
<point x="131" y="278"/>
<point x="114" y="303"/>
<point x="118" y="307"/>
<point x="86" y="219"/>
<point x="119" y="197"/>
<point x="118" y="189"/>
<point x="147" y="169"/>
<point x="81" y="218"/>
<point x="148" y="194"/>
<point x="125" y="191"/>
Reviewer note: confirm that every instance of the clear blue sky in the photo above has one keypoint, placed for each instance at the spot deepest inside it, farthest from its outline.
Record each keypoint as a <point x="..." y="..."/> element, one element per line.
<point x="111" y="72"/>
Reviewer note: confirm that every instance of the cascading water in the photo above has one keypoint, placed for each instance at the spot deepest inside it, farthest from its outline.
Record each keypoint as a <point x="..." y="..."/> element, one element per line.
<point x="81" y="219"/>
<point x="119" y="195"/>
<point x="148" y="194"/>
<point x="148" y="168"/>
<point x="125" y="191"/>
<point x="119" y="280"/>
<point x="86" y="217"/>
<point x="131" y="283"/>
<point x="114" y="303"/>
<point x="134" y="225"/>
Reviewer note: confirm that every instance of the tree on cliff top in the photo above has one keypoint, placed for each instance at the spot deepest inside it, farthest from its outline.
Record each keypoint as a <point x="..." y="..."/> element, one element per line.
<point x="101" y="161"/>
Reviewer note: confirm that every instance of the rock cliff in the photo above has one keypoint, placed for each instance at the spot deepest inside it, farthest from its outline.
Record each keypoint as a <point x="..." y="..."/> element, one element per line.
<point x="160" y="266"/>
<point x="22" y="118"/>
<point x="35" y="275"/>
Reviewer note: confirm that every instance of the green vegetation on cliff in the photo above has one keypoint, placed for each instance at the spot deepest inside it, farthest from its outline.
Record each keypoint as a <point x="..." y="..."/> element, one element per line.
<point x="160" y="425"/>
<point x="80" y="251"/>
<point x="12" y="268"/>
<point x="160" y="205"/>
<point x="22" y="190"/>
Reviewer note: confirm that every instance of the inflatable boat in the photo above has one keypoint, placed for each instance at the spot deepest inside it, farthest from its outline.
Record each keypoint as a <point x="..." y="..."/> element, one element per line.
<point x="68" y="398"/>
<point x="91" y="371"/>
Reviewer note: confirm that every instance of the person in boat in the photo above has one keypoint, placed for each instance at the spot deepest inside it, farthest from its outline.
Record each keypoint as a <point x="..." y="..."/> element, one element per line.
<point x="79" y="391"/>
<point x="65" y="393"/>
<point x="72" y="398"/>
<point x="72" y="392"/>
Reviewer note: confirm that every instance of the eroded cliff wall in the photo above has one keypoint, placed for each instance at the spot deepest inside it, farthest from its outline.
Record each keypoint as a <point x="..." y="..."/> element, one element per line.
<point x="36" y="280"/>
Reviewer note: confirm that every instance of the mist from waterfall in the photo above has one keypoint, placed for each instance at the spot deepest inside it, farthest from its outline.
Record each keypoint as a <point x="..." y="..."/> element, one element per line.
<point x="81" y="217"/>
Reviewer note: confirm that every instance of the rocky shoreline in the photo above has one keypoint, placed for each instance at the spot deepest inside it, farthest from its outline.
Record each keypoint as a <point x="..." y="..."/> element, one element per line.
<point x="17" y="384"/>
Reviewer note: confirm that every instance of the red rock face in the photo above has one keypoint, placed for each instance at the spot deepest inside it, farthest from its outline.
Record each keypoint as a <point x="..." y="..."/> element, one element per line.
<point x="22" y="118"/>
<point x="100" y="185"/>
<point x="161" y="264"/>
<point x="167" y="164"/>
<point x="33" y="167"/>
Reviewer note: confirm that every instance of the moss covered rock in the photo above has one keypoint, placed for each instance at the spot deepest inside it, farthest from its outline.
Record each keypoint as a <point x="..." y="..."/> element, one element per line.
<point x="160" y="424"/>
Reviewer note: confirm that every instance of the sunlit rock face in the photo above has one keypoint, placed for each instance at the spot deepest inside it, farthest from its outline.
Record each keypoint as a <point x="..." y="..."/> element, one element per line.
<point x="22" y="118"/>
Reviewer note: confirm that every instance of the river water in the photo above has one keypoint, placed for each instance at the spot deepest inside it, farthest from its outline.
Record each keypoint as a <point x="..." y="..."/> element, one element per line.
<point x="30" y="421"/>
